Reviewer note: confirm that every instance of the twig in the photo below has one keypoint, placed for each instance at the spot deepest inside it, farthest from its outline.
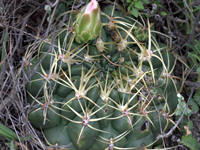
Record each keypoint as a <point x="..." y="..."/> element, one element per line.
<point x="11" y="46"/>
<point x="62" y="146"/>
<point x="80" y="5"/>
<point x="193" y="30"/>
<point x="27" y="25"/>
<point x="191" y="4"/>
<point x="159" y="120"/>
<point x="18" y="144"/>
<point x="179" y="120"/>
<point x="111" y="61"/>
<point x="184" y="78"/>
<point x="52" y="4"/>
<point x="189" y="83"/>
<point x="187" y="18"/>
<point x="52" y="41"/>
<point x="34" y="3"/>
<point x="186" y="5"/>
<point x="176" y="19"/>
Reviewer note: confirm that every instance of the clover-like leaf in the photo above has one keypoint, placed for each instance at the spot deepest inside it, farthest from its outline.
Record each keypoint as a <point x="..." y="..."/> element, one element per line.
<point x="139" y="5"/>
<point x="134" y="12"/>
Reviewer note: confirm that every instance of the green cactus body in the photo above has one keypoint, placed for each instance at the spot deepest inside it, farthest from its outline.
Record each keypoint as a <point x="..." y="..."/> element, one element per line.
<point x="105" y="139"/>
<point x="85" y="140"/>
<point x="101" y="94"/>
<point x="141" y="33"/>
<point x="58" y="135"/>
<point x="52" y="119"/>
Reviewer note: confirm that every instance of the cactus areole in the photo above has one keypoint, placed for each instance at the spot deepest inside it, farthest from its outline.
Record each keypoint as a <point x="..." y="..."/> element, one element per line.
<point x="106" y="94"/>
<point x="88" y="22"/>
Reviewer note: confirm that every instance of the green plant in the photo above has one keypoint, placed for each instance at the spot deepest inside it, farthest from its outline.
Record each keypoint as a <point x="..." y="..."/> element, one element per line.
<point x="194" y="102"/>
<point x="191" y="14"/>
<point x="3" y="52"/>
<point x="186" y="126"/>
<point x="61" y="8"/>
<point x="195" y="55"/>
<point x="181" y="105"/>
<point x="188" y="140"/>
<point x="100" y="94"/>
<point x="10" y="136"/>
<point x="135" y="5"/>
<point x="48" y="10"/>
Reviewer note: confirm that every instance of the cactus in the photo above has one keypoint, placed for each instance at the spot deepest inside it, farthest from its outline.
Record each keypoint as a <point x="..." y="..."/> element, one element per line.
<point x="141" y="33"/>
<point x="110" y="93"/>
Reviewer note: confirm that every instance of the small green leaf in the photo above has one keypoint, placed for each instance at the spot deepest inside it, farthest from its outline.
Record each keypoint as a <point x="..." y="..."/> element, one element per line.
<point x="190" y="125"/>
<point x="163" y="13"/>
<point x="131" y="5"/>
<point x="197" y="97"/>
<point x="4" y="48"/>
<point x="181" y="106"/>
<point x="188" y="112"/>
<point x="197" y="7"/>
<point x="190" y="142"/>
<point x="188" y="31"/>
<point x="146" y="1"/>
<point x="70" y="2"/>
<point x="47" y="8"/>
<point x="190" y="46"/>
<point x="139" y="5"/>
<point x="48" y="19"/>
<point x="12" y="147"/>
<point x="25" y="138"/>
<point x="193" y="105"/>
<point x="159" y="5"/>
<point x="129" y="8"/>
<point x="198" y="70"/>
<point x="148" y="15"/>
<point x="180" y="97"/>
<point x="194" y="58"/>
<point x="197" y="47"/>
<point x="178" y="113"/>
<point x="134" y="12"/>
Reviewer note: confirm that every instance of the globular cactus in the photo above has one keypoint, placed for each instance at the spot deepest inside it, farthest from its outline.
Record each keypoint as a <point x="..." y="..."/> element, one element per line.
<point x="110" y="93"/>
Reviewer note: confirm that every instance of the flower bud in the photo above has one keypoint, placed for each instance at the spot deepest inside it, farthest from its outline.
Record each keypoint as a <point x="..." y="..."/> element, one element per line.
<point x="88" y="22"/>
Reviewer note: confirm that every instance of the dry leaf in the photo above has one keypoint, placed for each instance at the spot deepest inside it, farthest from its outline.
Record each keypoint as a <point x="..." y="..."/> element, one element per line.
<point x="187" y="130"/>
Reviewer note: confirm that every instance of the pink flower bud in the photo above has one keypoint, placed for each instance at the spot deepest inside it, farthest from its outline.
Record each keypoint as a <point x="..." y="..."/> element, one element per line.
<point x="88" y="22"/>
<point x="91" y="5"/>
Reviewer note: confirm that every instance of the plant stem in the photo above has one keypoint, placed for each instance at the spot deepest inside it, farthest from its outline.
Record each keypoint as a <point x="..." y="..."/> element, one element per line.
<point x="3" y="54"/>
